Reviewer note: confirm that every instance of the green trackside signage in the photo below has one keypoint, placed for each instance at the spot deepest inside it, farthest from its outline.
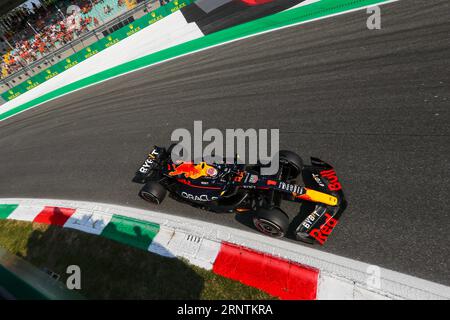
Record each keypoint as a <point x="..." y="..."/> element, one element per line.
<point x="13" y="93"/>
<point x="31" y="83"/>
<point x="90" y="51"/>
<point x="96" y="47"/>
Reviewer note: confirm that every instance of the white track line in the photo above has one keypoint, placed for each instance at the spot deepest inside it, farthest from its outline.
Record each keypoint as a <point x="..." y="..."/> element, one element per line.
<point x="302" y="4"/>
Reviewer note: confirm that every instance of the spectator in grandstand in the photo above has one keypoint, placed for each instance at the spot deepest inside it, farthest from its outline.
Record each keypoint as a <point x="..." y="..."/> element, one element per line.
<point x="34" y="33"/>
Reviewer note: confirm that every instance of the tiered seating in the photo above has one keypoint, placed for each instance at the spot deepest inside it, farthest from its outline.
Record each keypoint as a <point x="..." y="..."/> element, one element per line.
<point x="98" y="11"/>
<point x="73" y="26"/>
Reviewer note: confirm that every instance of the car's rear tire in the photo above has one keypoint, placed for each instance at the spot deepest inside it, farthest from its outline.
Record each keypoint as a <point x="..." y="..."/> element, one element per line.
<point x="292" y="161"/>
<point x="153" y="192"/>
<point x="272" y="222"/>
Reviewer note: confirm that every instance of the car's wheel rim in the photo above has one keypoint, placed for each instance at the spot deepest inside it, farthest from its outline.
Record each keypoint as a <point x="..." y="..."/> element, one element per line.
<point x="268" y="227"/>
<point x="149" y="197"/>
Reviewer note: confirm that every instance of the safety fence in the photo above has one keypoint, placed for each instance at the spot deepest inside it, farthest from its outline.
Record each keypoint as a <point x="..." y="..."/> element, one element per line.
<point x="95" y="48"/>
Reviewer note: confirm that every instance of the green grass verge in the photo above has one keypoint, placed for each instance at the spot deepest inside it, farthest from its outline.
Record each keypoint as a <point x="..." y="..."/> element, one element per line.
<point x="111" y="270"/>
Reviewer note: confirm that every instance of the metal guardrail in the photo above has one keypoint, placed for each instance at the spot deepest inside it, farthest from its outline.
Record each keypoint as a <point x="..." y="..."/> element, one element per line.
<point x="55" y="56"/>
<point x="21" y="280"/>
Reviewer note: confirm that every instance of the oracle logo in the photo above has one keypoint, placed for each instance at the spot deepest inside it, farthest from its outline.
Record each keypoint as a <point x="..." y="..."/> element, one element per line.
<point x="202" y="197"/>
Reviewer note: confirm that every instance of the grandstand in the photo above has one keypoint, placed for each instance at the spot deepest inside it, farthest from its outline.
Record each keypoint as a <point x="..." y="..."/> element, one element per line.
<point x="113" y="9"/>
<point x="36" y="28"/>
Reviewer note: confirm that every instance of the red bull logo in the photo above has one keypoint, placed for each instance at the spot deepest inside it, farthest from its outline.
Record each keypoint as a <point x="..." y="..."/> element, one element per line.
<point x="321" y="234"/>
<point x="194" y="171"/>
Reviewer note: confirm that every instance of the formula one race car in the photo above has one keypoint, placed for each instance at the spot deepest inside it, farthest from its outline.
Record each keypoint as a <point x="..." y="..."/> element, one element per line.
<point x="240" y="188"/>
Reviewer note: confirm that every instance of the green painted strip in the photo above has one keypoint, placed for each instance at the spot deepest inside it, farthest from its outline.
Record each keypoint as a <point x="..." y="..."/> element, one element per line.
<point x="6" y="210"/>
<point x="282" y="19"/>
<point x="133" y="232"/>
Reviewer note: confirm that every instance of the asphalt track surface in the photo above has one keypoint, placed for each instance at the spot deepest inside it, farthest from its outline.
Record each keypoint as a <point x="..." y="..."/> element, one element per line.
<point x="375" y="103"/>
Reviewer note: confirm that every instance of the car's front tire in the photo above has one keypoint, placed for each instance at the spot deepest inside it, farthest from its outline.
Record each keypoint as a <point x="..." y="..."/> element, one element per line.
<point x="153" y="192"/>
<point x="291" y="161"/>
<point x="272" y="222"/>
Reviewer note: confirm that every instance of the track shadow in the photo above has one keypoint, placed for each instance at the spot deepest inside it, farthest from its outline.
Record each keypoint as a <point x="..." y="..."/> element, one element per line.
<point x="296" y="218"/>
<point x="246" y="219"/>
<point x="113" y="270"/>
